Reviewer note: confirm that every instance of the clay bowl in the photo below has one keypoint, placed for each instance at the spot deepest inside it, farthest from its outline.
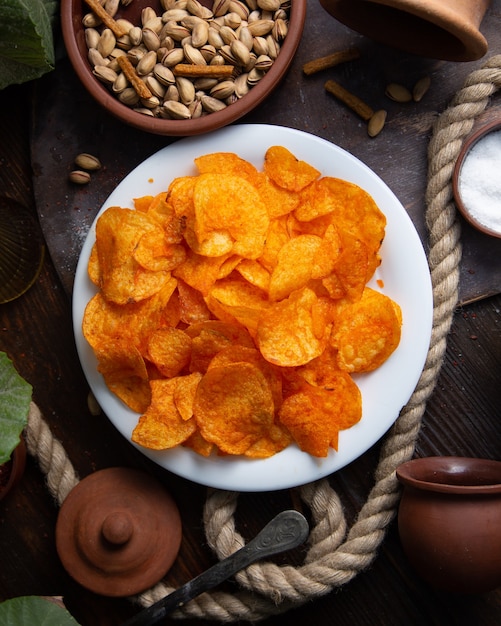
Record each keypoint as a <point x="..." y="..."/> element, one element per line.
<point x="485" y="173"/>
<point x="449" y="521"/>
<point x="73" y="31"/>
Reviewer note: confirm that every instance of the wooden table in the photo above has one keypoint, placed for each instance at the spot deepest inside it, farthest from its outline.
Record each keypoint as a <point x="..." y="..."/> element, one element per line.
<point x="462" y="417"/>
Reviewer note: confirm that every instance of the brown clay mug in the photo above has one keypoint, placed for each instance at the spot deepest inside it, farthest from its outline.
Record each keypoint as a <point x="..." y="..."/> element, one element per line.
<point x="449" y="521"/>
<point x="438" y="29"/>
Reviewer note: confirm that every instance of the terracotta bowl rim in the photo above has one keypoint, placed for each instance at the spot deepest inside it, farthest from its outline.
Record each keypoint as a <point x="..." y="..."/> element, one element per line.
<point x="419" y="473"/>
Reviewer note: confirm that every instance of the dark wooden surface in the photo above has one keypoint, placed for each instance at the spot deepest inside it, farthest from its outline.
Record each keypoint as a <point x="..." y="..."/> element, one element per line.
<point x="462" y="417"/>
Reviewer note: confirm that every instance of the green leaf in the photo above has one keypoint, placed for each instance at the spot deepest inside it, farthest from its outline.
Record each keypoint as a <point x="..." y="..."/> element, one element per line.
<point x="26" y="39"/>
<point x="34" y="610"/>
<point x="15" y="398"/>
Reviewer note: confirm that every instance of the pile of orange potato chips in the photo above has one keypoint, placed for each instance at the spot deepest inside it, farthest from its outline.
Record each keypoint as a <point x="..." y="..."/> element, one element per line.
<point x="233" y="308"/>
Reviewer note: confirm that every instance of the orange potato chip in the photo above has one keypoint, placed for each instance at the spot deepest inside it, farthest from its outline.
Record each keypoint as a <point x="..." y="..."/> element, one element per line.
<point x="209" y="338"/>
<point x="234" y="407"/>
<point x="315" y="415"/>
<point x="199" y="272"/>
<point x="123" y="280"/>
<point x="170" y="350"/>
<point x="93" y="270"/>
<point x="199" y="445"/>
<point x="366" y="332"/>
<point x="254" y="273"/>
<point x="278" y="201"/>
<point x="236" y="353"/>
<point x="143" y="203"/>
<point x="287" y="171"/>
<point x="109" y="322"/>
<point x="184" y="394"/>
<point x="124" y="371"/>
<point x="236" y="300"/>
<point x="161" y="426"/>
<point x="276" y="237"/>
<point x="193" y="308"/>
<point x="228" y="162"/>
<point x="227" y="207"/>
<point x="351" y="270"/>
<point x="277" y="440"/>
<point x="154" y="253"/>
<point x="294" y="266"/>
<point x="288" y="331"/>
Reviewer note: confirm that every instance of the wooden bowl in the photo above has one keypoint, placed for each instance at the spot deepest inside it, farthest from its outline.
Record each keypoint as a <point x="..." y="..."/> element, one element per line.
<point x="72" y="12"/>
<point x="473" y="209"/>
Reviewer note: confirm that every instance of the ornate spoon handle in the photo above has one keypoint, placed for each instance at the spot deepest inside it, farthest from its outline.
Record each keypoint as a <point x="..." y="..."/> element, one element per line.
<point x="285" y="531"/>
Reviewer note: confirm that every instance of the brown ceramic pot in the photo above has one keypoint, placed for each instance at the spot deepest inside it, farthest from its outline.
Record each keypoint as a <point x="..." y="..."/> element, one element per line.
<point x="438" y="29"/>
<point x="449" y="521"/>
<point x="16" y="466"/>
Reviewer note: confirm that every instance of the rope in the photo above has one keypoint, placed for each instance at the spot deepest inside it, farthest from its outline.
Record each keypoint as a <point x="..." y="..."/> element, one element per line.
<point x="335" y="553"/>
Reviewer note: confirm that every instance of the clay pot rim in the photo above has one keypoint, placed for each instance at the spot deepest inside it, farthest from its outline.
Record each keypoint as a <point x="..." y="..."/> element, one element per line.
<point x="451" y="20"/>
<point x="73" y="36"/>
<point x="418" y="473"/>
<point x="468" y="144"/>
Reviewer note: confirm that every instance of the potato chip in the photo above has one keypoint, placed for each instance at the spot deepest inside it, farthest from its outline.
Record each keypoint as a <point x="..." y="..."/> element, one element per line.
<point x="161" y="427"/>
<point x="143" y="203"/>
<point x="366" y="332"/>
<point x="93" y="270"/>
<point x="294" y="266"/>
<point x="193" y="308"/>
<point x="315" y="415"/>
<point x="154" y="253"/>
<point x="236" y="353"/>
<point x="234" y="407"/>
<point x="199" y="445"/>
<point x="170" y="350"/>
<point x="228" y="208"/>
<point x="287" y="332"/>
<point x="236" y="300"/>
<point x="184" y="394"/>
<point x="124" y="371"/>
<point x="351" y="269"/>
<point x="105" y="321"/>
<point x="287" y="171"/>
<point x="199" y="272"/>
<point x="209" y="338"/>
<point x="123" y="280"/>
<point x="277" y="440"/>
<point x="227" y="162"/>
<point x="254" y="273"/>
<point x="278" y="201"/>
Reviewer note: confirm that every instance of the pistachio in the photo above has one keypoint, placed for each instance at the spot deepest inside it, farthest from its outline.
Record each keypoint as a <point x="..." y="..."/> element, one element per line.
<point x="105" y="74"/>
<point x="175" y="110"/>
<point x="376" y="123"/>
<point x="79" y="177"/>
<point x="212" y="105"/>
<point x="240" y="52"/>
<point x="269" y="5"/>
<point x="150" y="39"/>
<point x="398" y="93"/>
<point x="86" y="161"/>
<point x="223" y="89"/>
<point x="186" y="89"/>
<point x="420" y="88"/>
<point x="146" y="63"/>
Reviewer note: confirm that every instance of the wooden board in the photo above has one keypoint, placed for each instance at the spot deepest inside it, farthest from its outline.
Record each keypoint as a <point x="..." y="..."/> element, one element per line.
<point x="66" y="121"/>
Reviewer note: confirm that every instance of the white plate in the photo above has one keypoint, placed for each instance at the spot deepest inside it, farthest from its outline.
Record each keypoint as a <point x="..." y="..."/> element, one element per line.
<point x="406" y="279"/>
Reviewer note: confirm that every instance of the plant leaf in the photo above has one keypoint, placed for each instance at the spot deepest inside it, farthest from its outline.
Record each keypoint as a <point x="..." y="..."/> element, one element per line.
<point x="26" y="40"/>
<point x="34" y="610"/>
<point x="15" y="398"/>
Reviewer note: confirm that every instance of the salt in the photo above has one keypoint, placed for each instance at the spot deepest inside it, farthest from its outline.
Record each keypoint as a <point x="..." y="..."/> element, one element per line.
<point x="480" y="181"/>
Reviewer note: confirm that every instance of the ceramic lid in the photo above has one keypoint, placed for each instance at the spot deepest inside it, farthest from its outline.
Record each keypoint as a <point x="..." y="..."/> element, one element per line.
<point x="118" y="532"/>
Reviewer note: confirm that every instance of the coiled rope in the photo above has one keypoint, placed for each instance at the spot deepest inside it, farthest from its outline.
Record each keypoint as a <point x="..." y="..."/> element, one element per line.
<point x="336" y="554"/>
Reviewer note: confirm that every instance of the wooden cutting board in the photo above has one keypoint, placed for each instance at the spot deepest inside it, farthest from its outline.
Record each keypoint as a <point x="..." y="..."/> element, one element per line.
<point x="66" y="121"/>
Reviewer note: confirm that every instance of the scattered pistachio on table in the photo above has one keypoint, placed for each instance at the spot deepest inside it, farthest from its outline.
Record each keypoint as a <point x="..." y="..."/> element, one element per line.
<point x="85" y="163"/>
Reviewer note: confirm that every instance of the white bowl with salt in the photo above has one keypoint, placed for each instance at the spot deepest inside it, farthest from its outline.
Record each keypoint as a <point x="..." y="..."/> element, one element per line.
<point x="477" y="179"/>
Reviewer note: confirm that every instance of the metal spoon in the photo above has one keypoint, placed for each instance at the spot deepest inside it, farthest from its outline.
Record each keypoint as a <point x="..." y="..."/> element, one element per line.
<point x="285" y="531"/>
